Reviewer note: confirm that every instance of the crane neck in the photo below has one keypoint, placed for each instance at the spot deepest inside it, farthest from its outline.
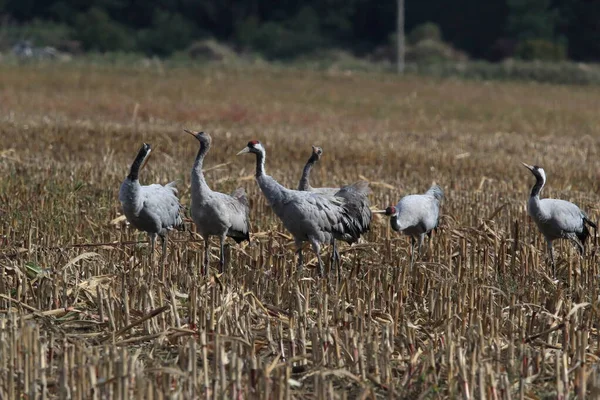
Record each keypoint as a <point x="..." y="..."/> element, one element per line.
<point x="197" y="174"/>
<point x="537" y="188"/>
<point x="394" y="223"/>
<point x="134" y="171"/>
<point x="260" y="163"/>
<point x="304" y="180"/>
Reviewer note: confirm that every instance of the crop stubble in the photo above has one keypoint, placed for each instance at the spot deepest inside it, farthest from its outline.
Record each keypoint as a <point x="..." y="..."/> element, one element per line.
<point x="82" y="313"/>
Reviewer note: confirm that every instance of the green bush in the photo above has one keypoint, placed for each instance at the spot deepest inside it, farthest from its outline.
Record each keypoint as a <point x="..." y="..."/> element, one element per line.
<point x="539" y="49"/>
<point x="274" y="40"/>
<point x="429" y="51"/>
<point x="424" y="46"/>
<point x="41" y="33"/>
<point x="210" y="50"/>
<point x="169" y="32"/>
<point x="427" y="31"/>
<point x="98" y="32"/>
<point x="548" y="72"/>
<point x="277" y="41"/>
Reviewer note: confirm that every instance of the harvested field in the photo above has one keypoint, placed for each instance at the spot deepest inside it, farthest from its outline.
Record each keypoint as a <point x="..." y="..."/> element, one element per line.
<point x="83" y="314"/>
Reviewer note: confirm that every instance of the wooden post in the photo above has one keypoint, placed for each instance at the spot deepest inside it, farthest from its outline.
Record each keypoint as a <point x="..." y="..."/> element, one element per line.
<point x="400" y="37"/>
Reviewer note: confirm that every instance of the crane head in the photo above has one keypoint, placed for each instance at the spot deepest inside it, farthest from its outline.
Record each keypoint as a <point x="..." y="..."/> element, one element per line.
<point x="253" y="146"/>
<point x="317" y="151"/>
<point x="537" y="171"/>
<point x="202" y="136"/>
<point x="145" y="154"/>
<point x="390" y="211"/>
<point x="529" y="167"/>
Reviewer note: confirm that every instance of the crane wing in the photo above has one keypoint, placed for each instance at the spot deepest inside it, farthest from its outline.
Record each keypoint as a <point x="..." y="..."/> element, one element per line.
<point x="240" y="195"/>
<point x="566" y="215"/>
<point x="337" y="216"/>
<point x="325" y="191"/>
<point x="237" y="209"/>
<point x="162" y="205"/>
<point x="357" y="203"/>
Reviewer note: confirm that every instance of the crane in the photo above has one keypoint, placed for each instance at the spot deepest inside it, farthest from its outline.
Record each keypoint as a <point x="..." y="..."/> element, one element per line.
<point x="416" y="215"/>
<point x="308" y="216"/>
<point x="155" y="208"/>
<point x="304" y="183"/>
<point x="556" y="219"/>
<point x="216" y="213"/>
<point x="355" y="194"/>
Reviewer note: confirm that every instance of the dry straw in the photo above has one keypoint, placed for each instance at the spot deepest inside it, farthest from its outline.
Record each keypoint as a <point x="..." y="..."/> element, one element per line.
<point x="83" y="315"/>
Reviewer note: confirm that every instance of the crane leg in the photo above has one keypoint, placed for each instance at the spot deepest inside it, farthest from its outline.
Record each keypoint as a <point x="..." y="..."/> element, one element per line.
<point x="164" y="248"/>
<point x="316" y="248"/>
<point x="300" y="265"/>
<point x="412" y="251"/>
<point x="222" y="257"/>
<point x="335" y="258"/>
<point x="164" y="256"/>
<point x="551" y="256"/>
<point x="206" y="253"/>
<point x="152" y="245"/>
<point x="421" y="238"/>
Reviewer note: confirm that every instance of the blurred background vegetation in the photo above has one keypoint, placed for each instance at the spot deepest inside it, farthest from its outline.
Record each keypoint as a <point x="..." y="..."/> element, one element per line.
<point x="443" y="37"/>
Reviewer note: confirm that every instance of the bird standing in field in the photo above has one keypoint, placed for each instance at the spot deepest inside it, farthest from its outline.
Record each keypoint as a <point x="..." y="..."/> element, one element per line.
<point x="153" y="208"/>
<point x="416" y="215"/>
<point x="304" y="183"/>
<point x="556" y="219"/>
<point x="216" y="213"/>
<point x="308" y="216"/>
<point x="355" y="195"/>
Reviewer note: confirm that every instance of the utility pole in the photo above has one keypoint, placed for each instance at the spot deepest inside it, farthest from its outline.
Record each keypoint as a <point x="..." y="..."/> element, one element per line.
<point x="400" y="37"/>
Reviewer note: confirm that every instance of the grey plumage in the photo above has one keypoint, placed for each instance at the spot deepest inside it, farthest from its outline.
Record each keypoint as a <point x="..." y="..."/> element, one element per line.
<point x="354" y="195"/>
<point x="357" y="203"/>
<point x="304" y="183"/>
<point x="155" y="208"/>
<point x="216" y="213"/>
<point x="308" y="216"/>
<point x="556" y="219"/>
<point x="417" y="215"/>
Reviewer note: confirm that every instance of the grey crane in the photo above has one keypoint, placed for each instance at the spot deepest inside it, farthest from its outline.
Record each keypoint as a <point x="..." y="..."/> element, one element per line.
<point x="556" y="219"/>
<point x="416" y="215"/>
<point x="155" y="208"/>
<point x="356" y="195"/>
<point x="308" y="216"/>
<point x="304" y="183"/>
<point x="216" y="213"/>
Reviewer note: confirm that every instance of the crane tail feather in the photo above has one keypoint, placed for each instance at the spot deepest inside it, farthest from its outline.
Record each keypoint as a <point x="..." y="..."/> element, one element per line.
<point x="238" y="236"/>
<point x="583" y="235"/>
<point x="588" y="221"/>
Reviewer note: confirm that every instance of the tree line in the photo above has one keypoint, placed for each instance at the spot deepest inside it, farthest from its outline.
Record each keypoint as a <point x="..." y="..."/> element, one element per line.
<point x="285" y="29"/>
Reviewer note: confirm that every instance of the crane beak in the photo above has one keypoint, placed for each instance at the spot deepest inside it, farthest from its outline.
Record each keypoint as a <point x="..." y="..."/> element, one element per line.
<point x="378" y="212"/>
<point x="190" y="132"/>
<point x="243" y="151"/>
<point x="146" y="159"/>
<point x="529" y="167"/>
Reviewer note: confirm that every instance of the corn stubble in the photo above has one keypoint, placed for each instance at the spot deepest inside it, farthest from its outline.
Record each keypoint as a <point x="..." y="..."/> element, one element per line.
<point x="84" y="315"/>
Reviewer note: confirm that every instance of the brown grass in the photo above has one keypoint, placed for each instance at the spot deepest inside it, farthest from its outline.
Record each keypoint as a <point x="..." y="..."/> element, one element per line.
<point x="82" y="313"/>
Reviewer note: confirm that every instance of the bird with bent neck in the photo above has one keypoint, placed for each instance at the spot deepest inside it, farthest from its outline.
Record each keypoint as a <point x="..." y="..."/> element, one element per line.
<point x="308" y="216"/>
<point x="155" y="208"/>
<point x="416" y="215"/>
<point x="355" y="195"/>
<point x="556" y="219"/>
